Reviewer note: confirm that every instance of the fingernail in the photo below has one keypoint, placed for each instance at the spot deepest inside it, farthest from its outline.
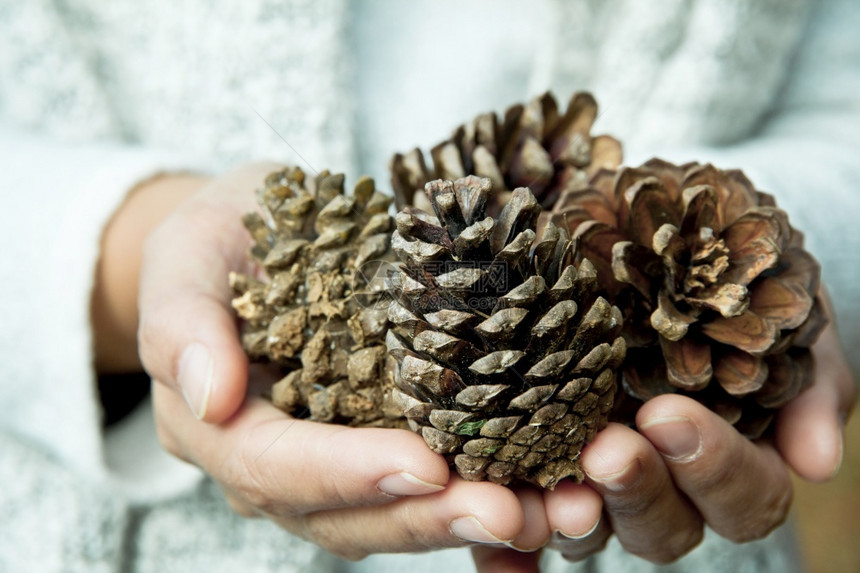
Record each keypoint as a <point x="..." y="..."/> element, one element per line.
<point x="468" y="528"/>
<point x="677" y="438"/>
<point x="578" y="536"/>
<point x="196" y="371"/>
<point x="404" y="483"/>
<point x="619" y="480"/>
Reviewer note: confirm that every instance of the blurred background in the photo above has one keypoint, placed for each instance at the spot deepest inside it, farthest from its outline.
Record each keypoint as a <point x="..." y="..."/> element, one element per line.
<point x="827" y="516"/>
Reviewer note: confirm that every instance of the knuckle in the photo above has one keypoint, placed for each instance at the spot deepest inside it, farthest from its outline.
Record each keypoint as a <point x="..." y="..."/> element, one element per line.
<point x="250" y="481"/>
<point x="681" y="542"/>
<point x="336" y="490"/>
<point x="328" y="533"/>
<point x="414" y="533"/>
<point x="693" y="538"/>
<point x="765" y="519"/>
<point x="247" y="481"/>
<point x="240" y="507"/>
<point x="667" y="550"/>
<point x="631" y="506"/>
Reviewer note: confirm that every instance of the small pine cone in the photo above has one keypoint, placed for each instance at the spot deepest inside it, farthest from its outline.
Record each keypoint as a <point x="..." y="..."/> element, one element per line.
<point x="322" y="313"/>
<point x="535" y="145"/>
<point x="506" y="354"/>
<point x="720" y="299"/>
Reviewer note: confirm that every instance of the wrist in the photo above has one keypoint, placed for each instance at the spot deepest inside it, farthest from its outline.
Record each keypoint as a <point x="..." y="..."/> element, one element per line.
<point x="113" y="309"/>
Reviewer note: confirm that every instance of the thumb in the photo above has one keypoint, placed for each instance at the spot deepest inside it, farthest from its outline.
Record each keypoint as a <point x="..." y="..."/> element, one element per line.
<point x="187" y="338"/>
<point x="190" y="343"/>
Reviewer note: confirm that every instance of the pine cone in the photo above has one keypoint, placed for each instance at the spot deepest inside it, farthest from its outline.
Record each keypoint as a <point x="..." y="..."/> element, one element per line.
<point x="710" y="272"/>
<point x="321" y="315"/>
<point x="506" y="355"/>
<point x="535" y="146"/>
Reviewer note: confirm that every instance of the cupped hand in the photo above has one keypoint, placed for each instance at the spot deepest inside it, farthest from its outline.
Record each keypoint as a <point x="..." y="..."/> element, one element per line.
<point x="351" y="491"/>
<point x="686" y="468"/>
<point x="358" y="491"/>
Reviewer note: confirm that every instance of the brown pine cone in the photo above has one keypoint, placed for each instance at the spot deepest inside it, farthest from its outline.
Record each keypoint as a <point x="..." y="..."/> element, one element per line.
<point x="719" y="297"/>
<point x="322" y="314"/>
<point x="506" y="355"/>
<point x="535" y="145"/>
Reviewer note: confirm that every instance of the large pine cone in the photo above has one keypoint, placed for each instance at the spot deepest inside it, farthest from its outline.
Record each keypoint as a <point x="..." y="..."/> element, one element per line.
<point x="535" y="146"/>
<point x="321" y="316"/>
<point x="720" y="299"/>
<point x="506" y="354"/>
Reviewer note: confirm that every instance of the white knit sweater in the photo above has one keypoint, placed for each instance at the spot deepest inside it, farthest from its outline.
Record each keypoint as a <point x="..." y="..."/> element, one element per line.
<point x="95" y="96"/>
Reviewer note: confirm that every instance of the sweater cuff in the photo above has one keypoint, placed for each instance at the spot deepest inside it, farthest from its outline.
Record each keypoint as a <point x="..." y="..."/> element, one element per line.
<point x="60" y="199"/>
<point x="75" y="258"/>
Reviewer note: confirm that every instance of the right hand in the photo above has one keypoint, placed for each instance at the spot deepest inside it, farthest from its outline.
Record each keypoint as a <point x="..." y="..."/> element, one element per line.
<point x="351" y="491"/>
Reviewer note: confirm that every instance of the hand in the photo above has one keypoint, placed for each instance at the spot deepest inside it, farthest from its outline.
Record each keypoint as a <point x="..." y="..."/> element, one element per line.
<point x="686" y="467"/>
<point x="693" y="468"/>
<point x="351" y="491"/>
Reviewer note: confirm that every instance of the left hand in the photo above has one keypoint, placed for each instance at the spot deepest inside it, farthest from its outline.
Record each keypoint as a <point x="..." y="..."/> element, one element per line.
<point x="684" y="468"/>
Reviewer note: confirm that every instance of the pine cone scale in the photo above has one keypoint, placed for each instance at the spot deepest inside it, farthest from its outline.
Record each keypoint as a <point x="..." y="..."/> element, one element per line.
<point x="717" y="292"/>
<point x="318" y="317"/>
<point x="688" y="363"/>
<point x="532" y="146"/>
<point x="526" y="340"/>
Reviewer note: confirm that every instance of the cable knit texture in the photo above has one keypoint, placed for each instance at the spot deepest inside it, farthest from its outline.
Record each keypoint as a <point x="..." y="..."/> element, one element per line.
<point x="96" y="96"/>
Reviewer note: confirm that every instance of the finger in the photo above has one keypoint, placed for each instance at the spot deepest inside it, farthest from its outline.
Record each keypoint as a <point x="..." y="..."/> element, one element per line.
<point x="536" y="532"/>
<point x="187" y="336"/>
<point x="650" y="517"/>
<point x="464" y="513"/>
<point x="810" y="428"/>
<point x="239" y="505"/>
<point x="285" y="466"/>
<point x="503" y="560"/>
<point x="574" y="512"/>
<point x="742" y="488"/>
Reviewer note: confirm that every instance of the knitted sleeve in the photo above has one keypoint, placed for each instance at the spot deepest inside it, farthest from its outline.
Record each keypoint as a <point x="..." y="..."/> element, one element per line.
<point x="805" y="154"/>
<point x="56" y="200"/>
